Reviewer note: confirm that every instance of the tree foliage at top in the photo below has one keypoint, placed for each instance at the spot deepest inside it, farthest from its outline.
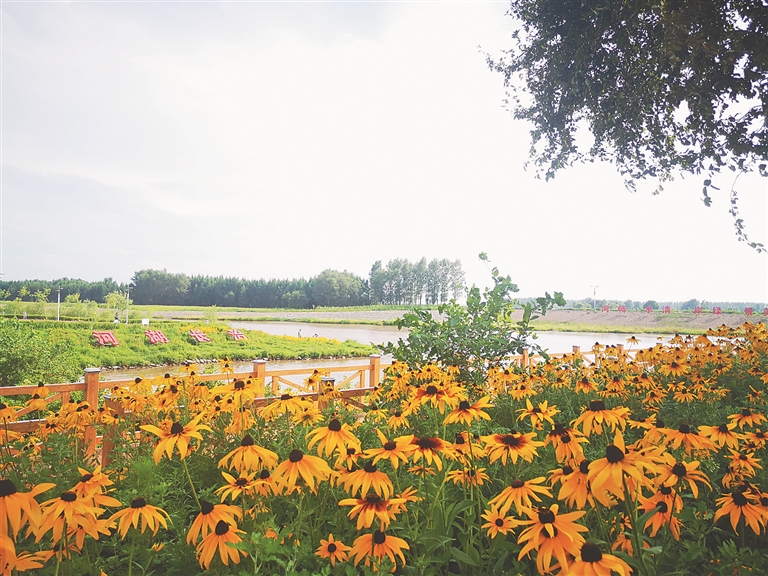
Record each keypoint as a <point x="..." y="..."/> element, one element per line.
<point x="664" y="86"/>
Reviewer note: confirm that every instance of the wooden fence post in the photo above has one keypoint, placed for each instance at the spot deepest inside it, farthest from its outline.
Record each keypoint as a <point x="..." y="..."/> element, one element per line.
<point x="525" y="362"/>
<point x="326" y="383"/>
<point x="577" y="350"/>
<point x="108" y="440"/>
<point x="259" y="371"/>
<point x="92" y="397"/>
<point x="375" y="371"/>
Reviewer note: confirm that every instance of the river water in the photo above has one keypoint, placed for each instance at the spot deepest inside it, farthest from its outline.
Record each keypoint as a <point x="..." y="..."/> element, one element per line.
<point x="553" y="342"/>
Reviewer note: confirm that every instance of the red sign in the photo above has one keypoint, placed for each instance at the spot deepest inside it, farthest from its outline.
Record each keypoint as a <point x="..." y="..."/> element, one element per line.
<point x="717" y="310"/>
<point x="666" y="310"/>
<point x="623" y="309"/>
<point x="697" y="310"/>
<point x="605" y="308"/>
<point x="748" y="311"/>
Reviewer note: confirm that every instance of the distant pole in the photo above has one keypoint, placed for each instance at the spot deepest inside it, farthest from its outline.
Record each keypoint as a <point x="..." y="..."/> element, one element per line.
<point x="127" y="303"/>
<point x="594" y="298"/>
<point x="58" y="304"/>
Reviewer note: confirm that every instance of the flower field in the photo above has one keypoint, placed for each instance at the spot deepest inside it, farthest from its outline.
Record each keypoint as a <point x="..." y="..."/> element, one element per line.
<point x="647" y="462"/>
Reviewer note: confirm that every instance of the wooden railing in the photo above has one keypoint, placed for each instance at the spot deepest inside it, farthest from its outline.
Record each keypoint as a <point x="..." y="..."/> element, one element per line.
<point x="360" y="375"/>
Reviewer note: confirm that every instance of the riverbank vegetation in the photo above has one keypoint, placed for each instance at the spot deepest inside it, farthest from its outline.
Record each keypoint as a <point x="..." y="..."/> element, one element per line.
<point x="58" y="351"/>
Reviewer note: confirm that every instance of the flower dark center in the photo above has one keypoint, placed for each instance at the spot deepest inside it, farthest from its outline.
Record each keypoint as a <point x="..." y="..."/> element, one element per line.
<point x="426" y="443"/>
<point x="517" y="483"/>
<point x="511" y="441"/>
<point x="379" y="537"/>
<point x="499" y="522"/>
<point x="351" y="451"/>
<point x="464" y="405"/>
<point x="684" y="429"/>
<point x="679" y="470"/>
<point x="295" y="456"/>
<point x="431" y="390"/>
<point x="264" y="474"/>
<point x="7" y="488"/>
<point x="69" y="496"/>
<point x="397" y="413"/>
<point x="334" y="425"/>
<point x="596" y="405"/>
<point x="86" y="477"/>
<point x="221" y="528"/>
<point x="723" y="428"/>
<point x="613" y="454"/>
<point x="286" y="397"/>
<point x="390" y="445"/>
<point x="373" y="498"/>
<point x="746" y="412"/>
<point x="666" y="490"/>
<point x="206" y="507"/>
<point x="138" y="502"/>
<point x="591" y="553"/>
<point x="177" y="428"/>
<point x="239" y="385"/>
<point x="369" y="467"/>
<point x="662" y="507"/>
<point x="459" y="439"/>
<point x="739" y="499"/>
<point x="546" y="516"/>
<point x="3" y="406"/>
<point x="241" y="482"/>
<point x="559" y="429"/>
<point x="247" y="441"/>
<point x="331" y="548"/>
<point x="565" y="438"/>
<point x="567" y="470"/>
<point x="584" y="466"/>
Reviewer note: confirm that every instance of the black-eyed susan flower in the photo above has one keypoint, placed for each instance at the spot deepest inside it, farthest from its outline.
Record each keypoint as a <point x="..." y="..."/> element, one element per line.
<point x="468" y="477"/>
<point x="744" y="463"/>
<point x="397" y="420"/>
<point x="663" y="515"/>
<point x="574" y="485"/>
<point x="299" y="465"/>
<point x="498" y="523"/>
<point x="741" y="504"/>
<point x="335" y="436"/>
<point x="395" y="451"/>
<point x="178" y="436"/>
<point x="550" y="534"/>
<point x="150" y="517"/>
<point x="7" y="413"/>
<point x="513" y="446"/>
<point x="66" y="510"/>
<point x="466" y="413"/>
<point x="670" y="472"/>
<point x="606" y="475"/>
<point x="592" y="562"/>
<point x="538" y="414"/>
<point x="567" y="443"/>
<point x="368" y="478"/>
<point x="747" y="417"/>
<point x="208" y="518"/>
<point x="249" y="456"/>
<point x="673" y="369"/>
<point x="596" y="415"/>
<point x="285" y="403"/>
<point x="236" y="487"/>
<point x="13" y="503"/>
<point x="220" y="539"/>
<point x="429" y="449"/>
<point x="688" y="438"/>
<point x="721" y="435"/>
<point x="377" y="546"/>
<point x="373" y="507"/>
<point x="334" y="550"/>
<point x="521" y="493"/>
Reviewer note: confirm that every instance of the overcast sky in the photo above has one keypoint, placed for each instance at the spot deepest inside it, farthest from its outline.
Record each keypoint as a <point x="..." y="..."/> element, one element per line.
<point x="274" y="140"/>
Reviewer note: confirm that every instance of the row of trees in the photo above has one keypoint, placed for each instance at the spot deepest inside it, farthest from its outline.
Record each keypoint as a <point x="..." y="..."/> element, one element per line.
<point x="404" y="282"/>
<point x="688" y="305"/>
<point x="399" y="282"/>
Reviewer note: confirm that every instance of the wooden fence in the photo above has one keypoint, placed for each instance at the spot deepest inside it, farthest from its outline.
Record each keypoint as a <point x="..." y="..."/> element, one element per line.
<point x="366" y="377"/>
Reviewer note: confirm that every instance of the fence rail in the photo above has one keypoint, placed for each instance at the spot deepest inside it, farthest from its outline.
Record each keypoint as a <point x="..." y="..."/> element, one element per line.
<point x="363" y="374"/>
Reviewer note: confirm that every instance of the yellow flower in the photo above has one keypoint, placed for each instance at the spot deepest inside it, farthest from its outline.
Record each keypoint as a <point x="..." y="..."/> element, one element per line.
<point x="178" y="436"/>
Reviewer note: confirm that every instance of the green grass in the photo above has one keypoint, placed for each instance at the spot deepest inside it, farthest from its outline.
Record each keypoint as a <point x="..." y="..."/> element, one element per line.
<point x="134" y="348"/>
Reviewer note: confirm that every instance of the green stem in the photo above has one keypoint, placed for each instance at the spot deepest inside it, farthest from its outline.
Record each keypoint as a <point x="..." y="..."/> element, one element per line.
<point x="130" y="556"/>
<point x="191" y="484"/>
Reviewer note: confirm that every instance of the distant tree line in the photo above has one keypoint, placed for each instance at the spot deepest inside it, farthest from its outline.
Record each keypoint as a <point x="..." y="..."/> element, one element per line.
<point x="399" y="282"/>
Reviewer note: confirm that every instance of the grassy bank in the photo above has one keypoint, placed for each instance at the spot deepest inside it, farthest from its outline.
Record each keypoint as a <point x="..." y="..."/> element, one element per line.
<point x="135" y="350"/>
